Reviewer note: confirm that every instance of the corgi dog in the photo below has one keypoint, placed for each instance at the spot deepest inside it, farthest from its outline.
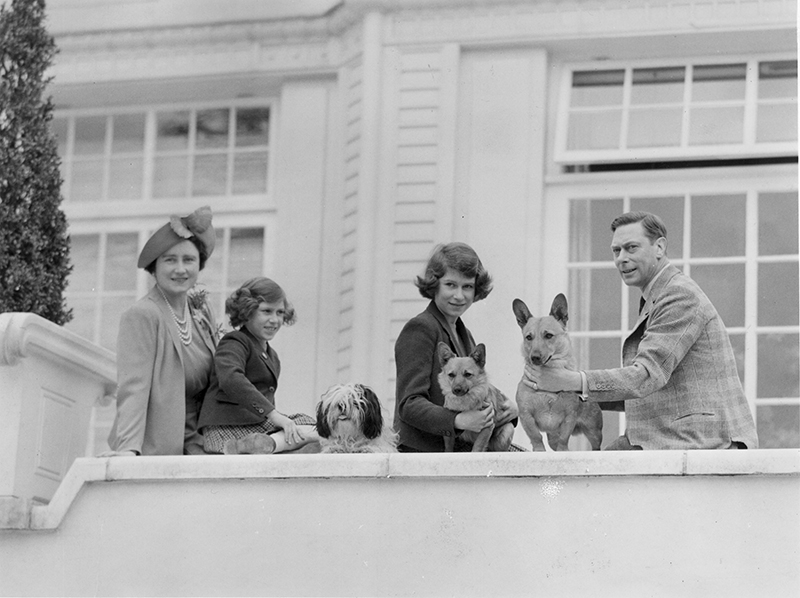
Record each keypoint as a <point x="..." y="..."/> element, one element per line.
<point x="466" y="387"/>
<point x="545" y="343"/>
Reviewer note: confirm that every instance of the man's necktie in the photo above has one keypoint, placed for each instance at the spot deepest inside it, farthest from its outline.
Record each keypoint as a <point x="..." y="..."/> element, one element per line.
<point x="641" y="304"/>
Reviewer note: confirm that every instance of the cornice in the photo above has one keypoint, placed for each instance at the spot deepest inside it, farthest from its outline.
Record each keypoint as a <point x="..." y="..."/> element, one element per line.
<point x="323" y="44"/>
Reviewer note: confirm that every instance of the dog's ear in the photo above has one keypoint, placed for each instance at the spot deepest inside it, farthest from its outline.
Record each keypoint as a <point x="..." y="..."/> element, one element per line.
<point x="559" y="309"/>
<point x="322" y="422"/>
<point x="373" y="418"/>
<point x="479" y="355"/>
<point x="521" y="311"/>
<point x="445" y="353"/>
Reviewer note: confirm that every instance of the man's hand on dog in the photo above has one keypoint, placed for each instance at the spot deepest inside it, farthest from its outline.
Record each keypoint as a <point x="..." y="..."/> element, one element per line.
<point x="475" y="421"/>
<point x="546" y="379"/>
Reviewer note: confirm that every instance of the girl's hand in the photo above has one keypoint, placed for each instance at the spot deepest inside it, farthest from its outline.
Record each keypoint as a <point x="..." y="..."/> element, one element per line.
<point x="475" y="421"/>
<point x="290" y="429"/>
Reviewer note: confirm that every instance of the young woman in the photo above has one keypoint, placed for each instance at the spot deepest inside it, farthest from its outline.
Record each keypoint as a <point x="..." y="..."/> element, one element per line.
<point x="165" y="346"/>
<point x="239" y="413"/>
<point x="454" y="278"/>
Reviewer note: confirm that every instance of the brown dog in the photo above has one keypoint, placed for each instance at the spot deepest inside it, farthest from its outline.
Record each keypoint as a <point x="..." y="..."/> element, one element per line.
<point x="545" y="343"/>
<point x="466" y="387"/>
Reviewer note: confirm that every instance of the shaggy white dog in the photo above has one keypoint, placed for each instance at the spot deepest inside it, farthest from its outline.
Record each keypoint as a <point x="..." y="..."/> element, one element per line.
<point x="349" y="420"/>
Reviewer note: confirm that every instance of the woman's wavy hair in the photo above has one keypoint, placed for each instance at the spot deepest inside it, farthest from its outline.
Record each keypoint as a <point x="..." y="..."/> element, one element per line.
<point x="244" y="301"/>
<point x="460" y="257"/>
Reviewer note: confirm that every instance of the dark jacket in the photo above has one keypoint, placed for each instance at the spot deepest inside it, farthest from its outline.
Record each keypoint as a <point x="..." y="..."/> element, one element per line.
<point x="419" y="417"/>
<point x="243" y="383"/>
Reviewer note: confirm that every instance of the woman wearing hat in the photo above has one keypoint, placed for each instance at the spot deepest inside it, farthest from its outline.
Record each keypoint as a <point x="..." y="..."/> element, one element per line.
<point x="165" y="346"/>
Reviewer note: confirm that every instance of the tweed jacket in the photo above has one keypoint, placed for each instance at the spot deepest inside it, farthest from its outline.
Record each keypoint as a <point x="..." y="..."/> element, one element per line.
<point x="151" y="384"/>
<point x="419" y="416"/>
<point x="243" y="383"/>
<point x="678" y="377"/>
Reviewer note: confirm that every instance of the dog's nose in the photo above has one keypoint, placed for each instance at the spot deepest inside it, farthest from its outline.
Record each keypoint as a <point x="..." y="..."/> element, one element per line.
<point x="459" y="391"/>
<point x="536" y="359"/>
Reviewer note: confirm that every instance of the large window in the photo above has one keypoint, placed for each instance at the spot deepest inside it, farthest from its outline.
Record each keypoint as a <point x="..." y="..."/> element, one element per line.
<point x="164" y="153"/>
<point x="742" y="249"/>
<point x="104" y="280"/>
<point x="679" y="111"/>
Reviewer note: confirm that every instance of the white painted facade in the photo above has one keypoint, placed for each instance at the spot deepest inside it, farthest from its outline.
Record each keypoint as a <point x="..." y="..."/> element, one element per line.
<point x="395" y="126"/>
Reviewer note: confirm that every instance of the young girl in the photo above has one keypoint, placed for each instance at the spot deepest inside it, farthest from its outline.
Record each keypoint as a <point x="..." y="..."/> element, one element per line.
<point x="239" y="414"/>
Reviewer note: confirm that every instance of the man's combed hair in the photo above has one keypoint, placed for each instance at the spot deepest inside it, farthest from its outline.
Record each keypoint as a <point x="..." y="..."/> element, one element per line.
<point x="461" y="258"/>
<point x="244" y="301"/>
<point x="654" y="227"/>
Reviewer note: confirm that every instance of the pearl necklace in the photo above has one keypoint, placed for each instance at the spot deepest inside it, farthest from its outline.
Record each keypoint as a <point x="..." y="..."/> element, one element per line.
<point x="184" y="325"/>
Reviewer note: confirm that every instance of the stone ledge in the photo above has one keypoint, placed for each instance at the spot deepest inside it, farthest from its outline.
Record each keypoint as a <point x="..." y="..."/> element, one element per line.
<point x="767" y="462"/>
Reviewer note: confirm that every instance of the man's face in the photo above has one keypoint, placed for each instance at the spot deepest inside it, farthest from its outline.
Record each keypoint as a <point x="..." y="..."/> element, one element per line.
<point x="636" y="258"/>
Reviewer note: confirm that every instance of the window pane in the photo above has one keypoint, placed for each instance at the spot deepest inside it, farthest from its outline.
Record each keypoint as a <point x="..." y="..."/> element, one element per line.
<point x="713" y="236"/>
<point x="724" y="285"/>
<point x="83" y="310"/>
<point x="173" y="130"/>
<point x="718" y="82"/>
<point x="777" y="79"/>
<point x="84" y="253"/>
<point x="709" y="126"/>
<point x="90" y="135"/>
<point x="604" y="353"/>
<point x="210" y="175"/>
<point x="250" y="173"/>
<point x="211" y="275"/>
<point x="778" y="299"/>
<point x="654" y="127"/>
<point x="776" y="122"/>
<point x="778" y="426"/>
<point x="125" y="178"/>
<point x="87" y="180"/>
<point x="247" y="249"/>
<point x="596" y="299"/>
<point x="597" y="88"/>
<point x="590" y="232"/>
<point x="252" y="126"/>
<point x="737" y="343"/>
<point x="212" y="128"/>
<point x="59" y="127"/>
<point x="658" y="85"/>
<point x="777" y="223"/>
<point x="121" y="255"/>
<point x="778" y="374"/>
<point x="170" y="177"/>
<point x="670" y="210"/>
<point x="128" y="133"/>
<point x="594" y="130"/>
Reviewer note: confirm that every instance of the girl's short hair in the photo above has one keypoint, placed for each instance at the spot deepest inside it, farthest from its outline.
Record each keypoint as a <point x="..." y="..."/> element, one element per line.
<point x="244" y="301"/>
<point x="461" y="258"/>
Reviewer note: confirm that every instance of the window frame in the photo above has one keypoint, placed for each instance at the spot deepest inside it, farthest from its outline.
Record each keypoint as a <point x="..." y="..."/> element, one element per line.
<point x="749" y="181"/>
<point x="147" y="201"/>
<point x="748" y="148"/>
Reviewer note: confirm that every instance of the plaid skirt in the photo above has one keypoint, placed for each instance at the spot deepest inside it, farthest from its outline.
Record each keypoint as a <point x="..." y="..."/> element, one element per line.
<point x="215" y="436"/>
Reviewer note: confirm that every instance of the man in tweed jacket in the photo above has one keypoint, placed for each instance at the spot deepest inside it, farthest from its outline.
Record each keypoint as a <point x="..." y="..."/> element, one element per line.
<point x="678" y="379"/>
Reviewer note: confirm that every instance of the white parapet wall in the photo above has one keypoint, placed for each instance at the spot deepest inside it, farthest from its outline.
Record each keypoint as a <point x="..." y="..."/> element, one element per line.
<point x="662" y="523"/>
<point x="50" y="379"/>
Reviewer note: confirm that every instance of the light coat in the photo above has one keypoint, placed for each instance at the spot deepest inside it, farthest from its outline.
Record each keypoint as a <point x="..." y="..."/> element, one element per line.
<point x="679" y="379"/>
<point x="151" y="384"/>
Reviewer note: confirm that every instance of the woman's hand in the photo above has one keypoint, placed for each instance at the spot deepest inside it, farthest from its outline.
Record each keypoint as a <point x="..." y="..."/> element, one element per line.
<point x="551" y="379"/>
<point x="291" y="431"/>
<point x="118" y="454"/>
<point x="476" y="420"/>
